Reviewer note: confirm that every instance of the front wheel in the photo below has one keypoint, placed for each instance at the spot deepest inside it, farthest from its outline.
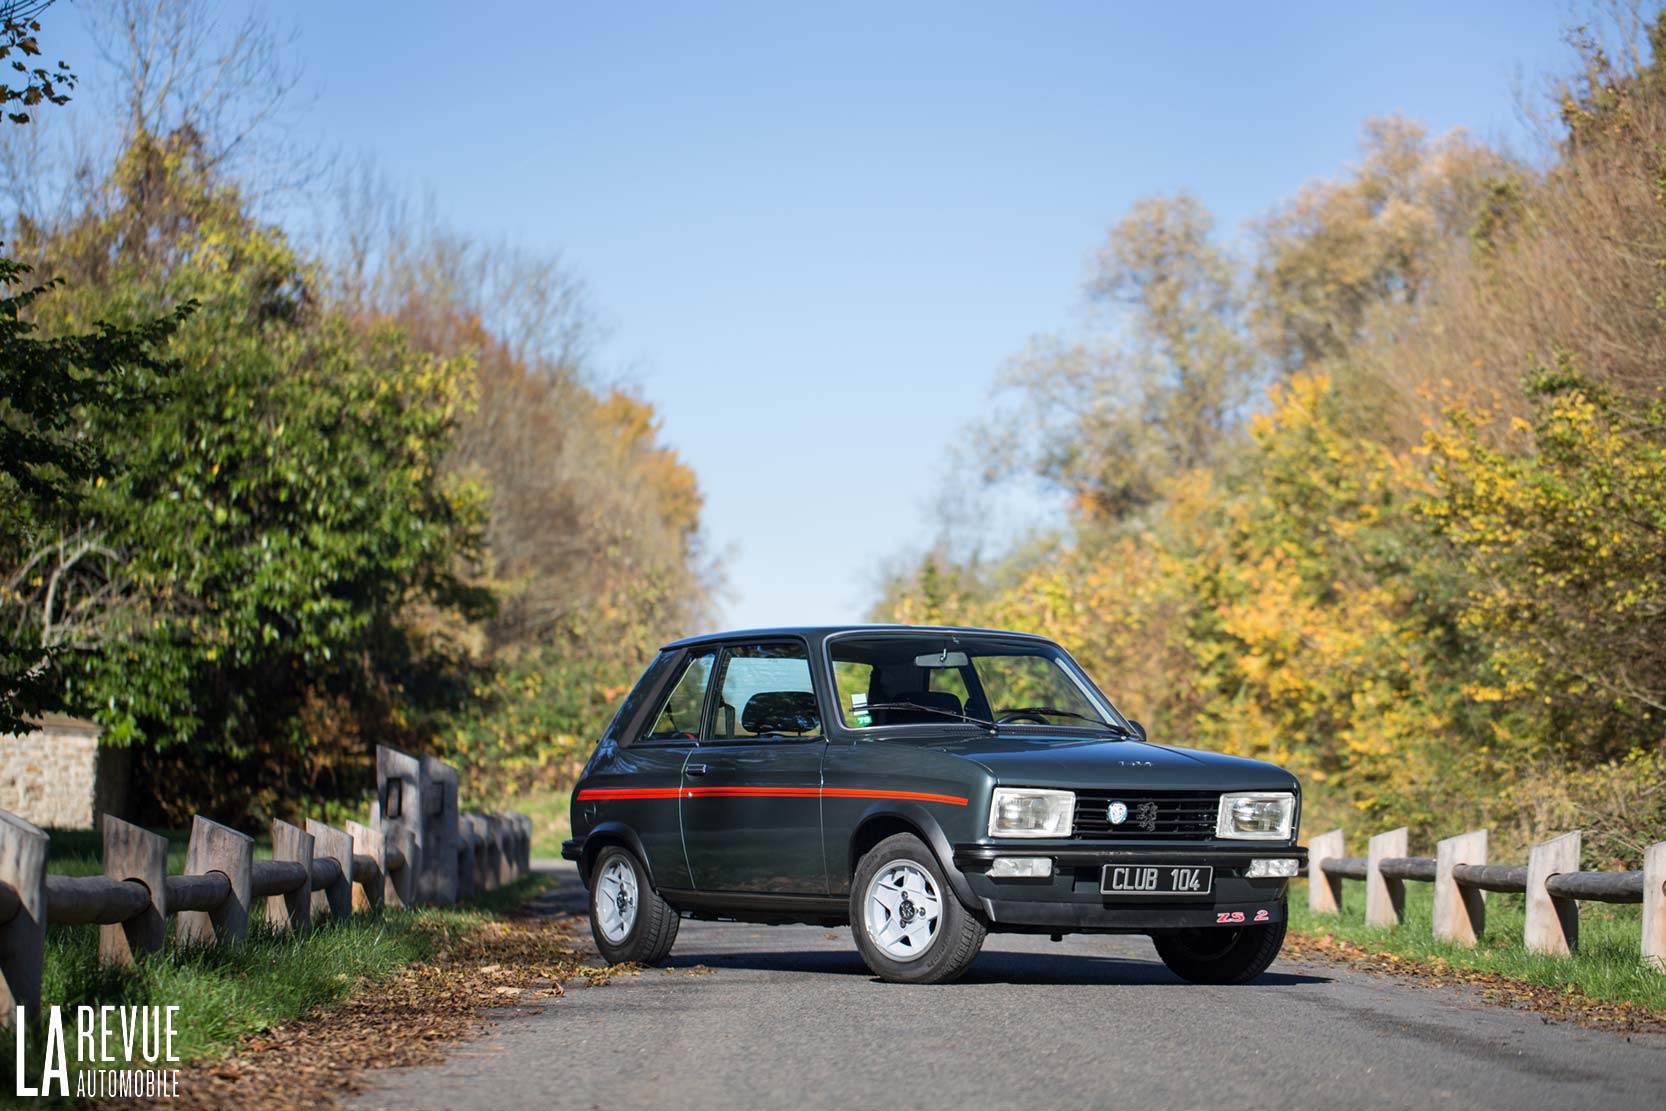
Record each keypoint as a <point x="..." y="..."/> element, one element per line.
<point x="1220" y="955"/>
<point x="909" y="927"/>
<point x="630" y="922"/>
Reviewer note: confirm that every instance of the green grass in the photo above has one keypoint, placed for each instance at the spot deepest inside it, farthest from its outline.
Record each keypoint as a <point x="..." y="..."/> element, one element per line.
<point x="551" y="824"/>
<point x="1608" y="965"/>
<point x="225" y="995"/>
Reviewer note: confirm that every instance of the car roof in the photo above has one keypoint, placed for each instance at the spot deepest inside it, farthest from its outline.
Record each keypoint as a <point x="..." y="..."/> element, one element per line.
<point x="818" y="633"/>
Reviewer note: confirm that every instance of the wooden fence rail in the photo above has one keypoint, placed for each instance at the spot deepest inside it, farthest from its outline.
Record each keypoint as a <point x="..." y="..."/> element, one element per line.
<point x="416" y="849"/>
<point x="1551" y="879"/>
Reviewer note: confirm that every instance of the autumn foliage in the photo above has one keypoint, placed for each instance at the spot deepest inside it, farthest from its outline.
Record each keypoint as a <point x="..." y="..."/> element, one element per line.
<point x="1428" y="570"/>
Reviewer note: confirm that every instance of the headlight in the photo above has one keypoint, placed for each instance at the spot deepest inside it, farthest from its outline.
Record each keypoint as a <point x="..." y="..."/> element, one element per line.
<point x="1256" y="816"/>
<point x="1028" y="812"/>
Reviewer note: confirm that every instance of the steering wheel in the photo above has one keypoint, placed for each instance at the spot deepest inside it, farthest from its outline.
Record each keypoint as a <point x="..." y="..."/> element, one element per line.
<point x="1022" y="715"/>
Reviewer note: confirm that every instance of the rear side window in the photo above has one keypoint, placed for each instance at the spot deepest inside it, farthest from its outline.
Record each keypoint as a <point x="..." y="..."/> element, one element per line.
<point x="679" y="715"/>
<point x="765" y="691"/>
<point x="631" y="708"/>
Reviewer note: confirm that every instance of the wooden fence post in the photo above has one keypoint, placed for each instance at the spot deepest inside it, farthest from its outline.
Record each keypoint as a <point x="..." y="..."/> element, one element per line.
<point x="369" y="894"/>
<point x="485" y="872"/>
<point x="1385" y="896"/>
<point x="131" y="853"/>
<point x="1324" y="893"/>
<point x="485" y="879"/>
<point x="1654" y="904"/>
<point x="437" y="878"/>
<point x="1552" y="923"/>
<point x="329" y="843"/>
<point x="499" y="837"/>
<point x="1460" y="911"/>
<point x="23" y="850"/>
<point x="500" y="849"/>
<point x="399" y="802"/>
<point x="465" y="858"/>
<point x="292" y="910"/>
<point x="218" y="848"/>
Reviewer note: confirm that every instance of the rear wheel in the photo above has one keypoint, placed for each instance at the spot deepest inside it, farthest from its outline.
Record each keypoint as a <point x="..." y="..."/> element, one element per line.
<point x="630" y="922"/>
<point x="1221" y="955"/>
<point x="909" y="927"/>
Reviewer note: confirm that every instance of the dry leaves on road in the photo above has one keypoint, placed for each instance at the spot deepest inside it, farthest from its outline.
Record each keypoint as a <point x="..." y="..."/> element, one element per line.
<point x="1553" y="1003"/>
<point x="412" y="1018"/>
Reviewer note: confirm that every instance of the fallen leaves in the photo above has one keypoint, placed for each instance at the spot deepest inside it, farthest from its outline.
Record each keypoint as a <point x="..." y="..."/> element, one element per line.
<point x="409" y="1019"/>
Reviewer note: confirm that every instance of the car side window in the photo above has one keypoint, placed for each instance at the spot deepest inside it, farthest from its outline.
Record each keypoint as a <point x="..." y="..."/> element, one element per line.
<point x="765" y="691"/>
<point x="679" y="715"/>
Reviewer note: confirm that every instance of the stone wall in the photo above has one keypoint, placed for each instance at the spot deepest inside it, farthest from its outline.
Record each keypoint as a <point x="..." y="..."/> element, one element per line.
<point x="58" y="777"/>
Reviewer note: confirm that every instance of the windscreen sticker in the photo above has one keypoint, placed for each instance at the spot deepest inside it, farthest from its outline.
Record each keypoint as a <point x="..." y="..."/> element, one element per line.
<point x="859" y="708"/>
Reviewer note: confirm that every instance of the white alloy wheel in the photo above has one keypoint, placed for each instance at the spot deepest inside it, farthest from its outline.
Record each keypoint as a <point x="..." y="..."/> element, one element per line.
<point x="616" y="899"/>
<point x="903" y="910"/>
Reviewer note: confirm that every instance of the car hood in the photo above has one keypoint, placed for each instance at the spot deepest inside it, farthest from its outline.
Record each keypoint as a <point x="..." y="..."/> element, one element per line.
<point x="1085" y="763"/>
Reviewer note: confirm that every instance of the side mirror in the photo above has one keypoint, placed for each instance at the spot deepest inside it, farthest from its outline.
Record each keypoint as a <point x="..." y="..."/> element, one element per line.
<point x="1139" y="730"/>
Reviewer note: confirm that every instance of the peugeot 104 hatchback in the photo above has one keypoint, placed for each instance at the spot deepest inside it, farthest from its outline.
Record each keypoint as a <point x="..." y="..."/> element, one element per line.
<point x="924" y="786"/>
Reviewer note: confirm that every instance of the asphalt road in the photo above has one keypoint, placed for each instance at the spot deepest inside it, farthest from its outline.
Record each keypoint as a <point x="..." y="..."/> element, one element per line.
<point x="790" y="1018"/>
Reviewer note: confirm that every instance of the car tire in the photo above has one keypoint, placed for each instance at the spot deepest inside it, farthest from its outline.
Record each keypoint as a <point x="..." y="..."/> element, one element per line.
<point x="909" y="926"/>
<point x="1221" y="955"/>
<point x="628" y="919"/>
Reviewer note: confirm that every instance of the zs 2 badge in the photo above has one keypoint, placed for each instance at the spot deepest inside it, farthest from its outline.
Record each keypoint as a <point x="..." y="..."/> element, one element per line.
<point x="1236" y="917"/>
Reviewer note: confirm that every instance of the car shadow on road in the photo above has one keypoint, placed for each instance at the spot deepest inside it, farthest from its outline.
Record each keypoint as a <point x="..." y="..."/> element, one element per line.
<point x="992" y="967"/>
<point x="998" y="967"/>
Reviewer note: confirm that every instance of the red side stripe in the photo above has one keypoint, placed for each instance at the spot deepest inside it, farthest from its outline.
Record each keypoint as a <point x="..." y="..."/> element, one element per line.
<point x="599" y="794"/>
<point x="750" y="792"/>
<point x="918" y="796"/>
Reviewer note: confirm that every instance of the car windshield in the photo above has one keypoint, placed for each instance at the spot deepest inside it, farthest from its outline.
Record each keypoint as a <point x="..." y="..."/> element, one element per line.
<point x="941" y="678"/>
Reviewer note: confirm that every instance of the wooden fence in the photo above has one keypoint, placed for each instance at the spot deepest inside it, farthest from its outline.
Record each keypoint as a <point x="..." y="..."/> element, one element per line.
<point x="417" y="849"/>
<point x="1551" y="880"/>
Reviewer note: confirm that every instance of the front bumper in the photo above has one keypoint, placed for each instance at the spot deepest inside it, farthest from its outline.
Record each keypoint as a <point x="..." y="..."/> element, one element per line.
<point x="1069" y="900"/>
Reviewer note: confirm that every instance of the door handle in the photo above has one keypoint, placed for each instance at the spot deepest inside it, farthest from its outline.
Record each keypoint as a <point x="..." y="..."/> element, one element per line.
<point x="695" y="769"/>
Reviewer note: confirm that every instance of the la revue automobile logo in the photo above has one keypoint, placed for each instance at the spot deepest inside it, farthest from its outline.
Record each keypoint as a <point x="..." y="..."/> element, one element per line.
<point x="119" y="1052"/>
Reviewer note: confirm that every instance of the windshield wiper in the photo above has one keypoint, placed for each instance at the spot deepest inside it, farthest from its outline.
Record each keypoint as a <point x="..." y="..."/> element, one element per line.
<point x="1054" y="711"/>
<point x="981" y="722"/>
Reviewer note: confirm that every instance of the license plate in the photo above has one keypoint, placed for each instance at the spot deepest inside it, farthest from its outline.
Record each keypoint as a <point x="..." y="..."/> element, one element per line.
<point x="1156" y="879"/>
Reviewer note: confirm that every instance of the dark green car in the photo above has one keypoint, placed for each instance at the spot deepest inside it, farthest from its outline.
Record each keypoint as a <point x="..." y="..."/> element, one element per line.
<point x="924" y="786"/>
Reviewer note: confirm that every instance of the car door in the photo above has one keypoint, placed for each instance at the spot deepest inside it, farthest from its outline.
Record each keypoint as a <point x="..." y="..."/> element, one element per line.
<point x="751" y="807"/>
<point x="641" y="786"/>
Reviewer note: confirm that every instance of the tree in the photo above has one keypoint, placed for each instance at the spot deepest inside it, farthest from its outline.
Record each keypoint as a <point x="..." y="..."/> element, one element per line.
<point x="18" y="28"/>
<point x="1341" y="258"/>
<point x="283" y="516"/>
<point x="1110" y="418"/>
<point x="61" y="583"/>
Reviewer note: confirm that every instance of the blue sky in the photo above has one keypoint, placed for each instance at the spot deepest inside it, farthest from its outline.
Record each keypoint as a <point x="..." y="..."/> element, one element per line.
<point x="816" y="232"/>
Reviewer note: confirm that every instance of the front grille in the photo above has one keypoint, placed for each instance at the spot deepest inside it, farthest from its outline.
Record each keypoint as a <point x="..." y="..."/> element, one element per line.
<point x="1152" y="815"/>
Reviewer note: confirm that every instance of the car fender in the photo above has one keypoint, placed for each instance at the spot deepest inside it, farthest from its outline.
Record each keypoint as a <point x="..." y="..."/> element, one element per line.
<point x="921" y="818"/>
<point x="608" y="833"/>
